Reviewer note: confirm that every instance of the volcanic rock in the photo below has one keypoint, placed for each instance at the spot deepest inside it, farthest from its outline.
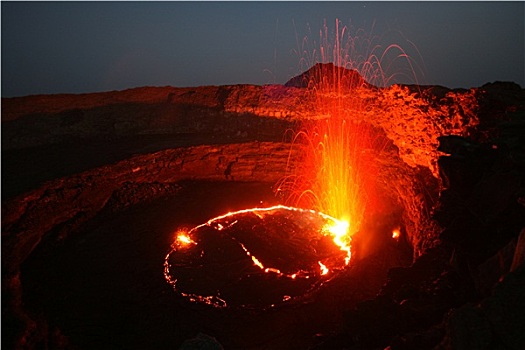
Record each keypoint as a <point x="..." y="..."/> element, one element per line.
<point x="201" y="341"/>
<point x="458" y="295"/>
<point x="328" y="75"/>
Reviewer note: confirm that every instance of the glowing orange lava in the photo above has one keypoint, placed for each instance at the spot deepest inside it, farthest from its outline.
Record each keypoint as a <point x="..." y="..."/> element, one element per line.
<point x="396" y="233"/>
<point x="334" y="228"/>
<point x="182" y="239"/>
<point x="337" y="172"/>
<point x="246" y="230"/>
<point x="324" y="269"/>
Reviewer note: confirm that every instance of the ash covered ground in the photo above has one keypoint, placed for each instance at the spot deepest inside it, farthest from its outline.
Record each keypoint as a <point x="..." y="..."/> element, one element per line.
<point x="94" y="185"/>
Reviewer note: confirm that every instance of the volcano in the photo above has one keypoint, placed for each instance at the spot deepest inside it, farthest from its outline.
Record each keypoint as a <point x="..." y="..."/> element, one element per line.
<point x="328" y="74"/>
<point x="109" y="237"/>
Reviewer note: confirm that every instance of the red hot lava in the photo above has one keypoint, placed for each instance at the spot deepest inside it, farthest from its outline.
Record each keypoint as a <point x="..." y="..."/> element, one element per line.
<point x="257" y="257"/>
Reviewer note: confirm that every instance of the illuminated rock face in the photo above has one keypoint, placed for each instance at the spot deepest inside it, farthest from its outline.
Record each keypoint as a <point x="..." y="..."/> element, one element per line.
<point x="412" y="119"/>
<point x="77" y="198"/>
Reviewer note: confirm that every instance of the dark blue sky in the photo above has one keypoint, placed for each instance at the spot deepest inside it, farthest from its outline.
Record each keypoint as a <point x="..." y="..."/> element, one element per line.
<point x="75" y="47"/>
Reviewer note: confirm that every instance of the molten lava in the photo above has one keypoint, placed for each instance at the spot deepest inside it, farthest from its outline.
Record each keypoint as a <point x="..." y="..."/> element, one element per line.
<point x="182" y="239"/>
<point x="339" y="231"/>
<point x="337" y="172"/>
<point x="257" y="250"/>
<point x="395" y="234"/>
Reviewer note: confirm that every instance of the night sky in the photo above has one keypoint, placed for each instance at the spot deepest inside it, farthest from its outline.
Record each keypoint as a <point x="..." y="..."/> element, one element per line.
<point x="76" y="47"/>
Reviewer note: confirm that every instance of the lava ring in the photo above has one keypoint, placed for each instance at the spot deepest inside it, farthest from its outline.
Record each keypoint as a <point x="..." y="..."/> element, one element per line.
<point x="256" y="258"/>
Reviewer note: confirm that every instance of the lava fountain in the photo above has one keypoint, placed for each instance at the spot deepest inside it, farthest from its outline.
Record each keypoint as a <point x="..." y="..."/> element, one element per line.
<point x="338" y="170"/>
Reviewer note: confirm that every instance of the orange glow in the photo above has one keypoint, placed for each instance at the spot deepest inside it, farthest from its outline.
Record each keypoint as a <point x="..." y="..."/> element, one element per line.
<point x="317" y="224"/>
<point x="337" y="172"/>
<point x="324" y="269"/>
<point x="257" y="263"/>
<point x="339" y="231"/>
<point x="395" y="234"/>
<point x="183" y="239"/>
<point x="331" y="177"/>
<point x="334" y="228"/>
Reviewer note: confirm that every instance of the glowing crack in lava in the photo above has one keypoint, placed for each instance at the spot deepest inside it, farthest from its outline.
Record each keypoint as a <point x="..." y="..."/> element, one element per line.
<point x="257" y="257"/>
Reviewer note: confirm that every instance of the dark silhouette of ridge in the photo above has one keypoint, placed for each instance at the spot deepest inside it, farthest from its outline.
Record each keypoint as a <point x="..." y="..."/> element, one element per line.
<point x="329" y="76"/>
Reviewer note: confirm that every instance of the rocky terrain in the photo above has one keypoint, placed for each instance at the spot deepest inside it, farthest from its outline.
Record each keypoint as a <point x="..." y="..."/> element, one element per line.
<point x="76" y="168"/>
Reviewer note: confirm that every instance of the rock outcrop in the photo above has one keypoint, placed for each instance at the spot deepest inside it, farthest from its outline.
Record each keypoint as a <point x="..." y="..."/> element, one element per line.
<point x="329" y="76"/>
<point x="458" y="295"/>
<point x="28" y="217"/>
<point x="412" y="118"/>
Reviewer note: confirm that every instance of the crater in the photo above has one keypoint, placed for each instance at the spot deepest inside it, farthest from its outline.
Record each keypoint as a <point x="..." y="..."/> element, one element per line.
<point x="92" y="258"/>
